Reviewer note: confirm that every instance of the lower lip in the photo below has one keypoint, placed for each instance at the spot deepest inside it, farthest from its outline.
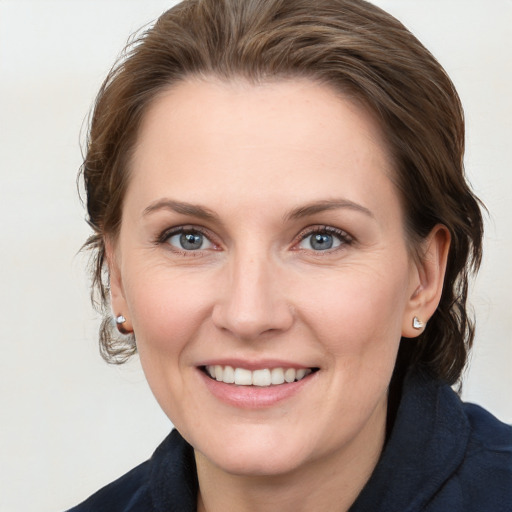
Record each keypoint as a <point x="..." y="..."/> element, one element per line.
<point x="254" y="397"/>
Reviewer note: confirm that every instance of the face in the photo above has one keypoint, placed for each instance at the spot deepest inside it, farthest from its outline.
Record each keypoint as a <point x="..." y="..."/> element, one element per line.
<point x="262" y="265"/>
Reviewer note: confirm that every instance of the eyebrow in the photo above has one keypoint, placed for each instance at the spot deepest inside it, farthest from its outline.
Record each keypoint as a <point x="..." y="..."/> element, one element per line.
<point x="322" y="206"/>
<point x="180" y="207"/>
<point x="201" y="212"/>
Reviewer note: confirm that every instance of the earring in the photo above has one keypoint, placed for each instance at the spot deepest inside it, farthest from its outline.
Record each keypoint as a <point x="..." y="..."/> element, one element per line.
<point x="120" y="320"/>
<point x="417" y="323"/>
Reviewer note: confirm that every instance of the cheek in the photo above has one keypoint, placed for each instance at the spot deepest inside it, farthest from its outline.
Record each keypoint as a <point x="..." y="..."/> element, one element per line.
<point x="358" y="314"/>
<point x="164" y="305"/>
<point x="168" y="317"/>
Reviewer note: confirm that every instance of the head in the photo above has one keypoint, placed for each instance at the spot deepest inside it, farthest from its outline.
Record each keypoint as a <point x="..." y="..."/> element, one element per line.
<point x="230" y="116"/>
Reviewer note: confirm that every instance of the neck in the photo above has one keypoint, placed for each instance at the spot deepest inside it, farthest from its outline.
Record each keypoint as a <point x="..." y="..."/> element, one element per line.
<point x="331" y="482"/>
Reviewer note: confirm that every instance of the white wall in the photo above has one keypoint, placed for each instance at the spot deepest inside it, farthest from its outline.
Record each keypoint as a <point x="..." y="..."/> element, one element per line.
<point x="69" y="423"/>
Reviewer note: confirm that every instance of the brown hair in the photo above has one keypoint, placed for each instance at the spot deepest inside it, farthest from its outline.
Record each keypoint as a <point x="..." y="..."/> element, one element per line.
<point x="350" y="45"/>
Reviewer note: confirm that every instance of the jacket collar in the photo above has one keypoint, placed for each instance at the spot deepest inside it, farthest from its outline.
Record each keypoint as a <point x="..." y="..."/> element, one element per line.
<point x="173" y="476"/>
<point x="426" y="446"/>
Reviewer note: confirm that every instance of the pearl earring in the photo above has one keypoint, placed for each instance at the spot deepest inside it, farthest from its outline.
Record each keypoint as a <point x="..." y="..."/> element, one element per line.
<point x="417" y="323"/>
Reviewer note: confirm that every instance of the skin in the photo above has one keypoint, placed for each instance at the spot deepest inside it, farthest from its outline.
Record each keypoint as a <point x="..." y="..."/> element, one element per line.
<point x="253" y="157"/>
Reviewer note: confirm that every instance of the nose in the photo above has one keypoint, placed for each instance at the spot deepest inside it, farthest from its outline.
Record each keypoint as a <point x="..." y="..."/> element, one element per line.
<point x="252" y="301"/>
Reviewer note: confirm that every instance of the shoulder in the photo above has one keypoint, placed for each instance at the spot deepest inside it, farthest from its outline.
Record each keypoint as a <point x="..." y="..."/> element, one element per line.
<point x="487" y="431"/>
<point x="482" y="478"/>
<point x="485" y="475"/>
<point x="129" y="493"/>
<point x="167" y="481"/>
<point x="489" y="445"/>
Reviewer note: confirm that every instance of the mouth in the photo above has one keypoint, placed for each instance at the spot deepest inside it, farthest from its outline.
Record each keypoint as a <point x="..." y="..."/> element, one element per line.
<point x="264" y="377"/>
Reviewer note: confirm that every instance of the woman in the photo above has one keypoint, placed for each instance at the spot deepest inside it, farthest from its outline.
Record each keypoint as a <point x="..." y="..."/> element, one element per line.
<point x="284" y="233"/>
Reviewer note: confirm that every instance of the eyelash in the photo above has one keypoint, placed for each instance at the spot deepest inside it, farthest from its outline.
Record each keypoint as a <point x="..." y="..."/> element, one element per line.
<point x="165" y="236"/>
<point x="343" y="237"/>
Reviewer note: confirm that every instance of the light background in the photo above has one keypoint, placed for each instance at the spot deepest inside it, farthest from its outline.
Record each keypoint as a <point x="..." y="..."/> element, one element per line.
<point x="70" y="423"/>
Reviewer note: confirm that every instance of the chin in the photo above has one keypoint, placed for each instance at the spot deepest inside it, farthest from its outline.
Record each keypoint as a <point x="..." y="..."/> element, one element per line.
<point x="261" y="454"/>
<point x="256" y="464"/>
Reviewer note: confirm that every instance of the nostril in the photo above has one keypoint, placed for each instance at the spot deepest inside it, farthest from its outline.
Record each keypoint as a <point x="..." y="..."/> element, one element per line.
<point x="251" y="321"/>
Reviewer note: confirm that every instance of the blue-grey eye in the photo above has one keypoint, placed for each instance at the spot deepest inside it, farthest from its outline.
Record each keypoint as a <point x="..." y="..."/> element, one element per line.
<point x="189" y="241"/>
<point x="320" y="241"/>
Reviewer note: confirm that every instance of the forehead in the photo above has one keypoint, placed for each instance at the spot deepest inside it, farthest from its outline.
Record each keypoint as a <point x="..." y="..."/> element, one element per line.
<point x="235" y="140"/>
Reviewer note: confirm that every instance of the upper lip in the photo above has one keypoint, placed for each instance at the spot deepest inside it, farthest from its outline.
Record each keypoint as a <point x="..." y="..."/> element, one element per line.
<point x="254" y="364"/>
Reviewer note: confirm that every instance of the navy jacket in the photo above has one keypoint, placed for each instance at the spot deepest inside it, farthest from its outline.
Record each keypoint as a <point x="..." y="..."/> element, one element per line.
<point x="442" y="456"/>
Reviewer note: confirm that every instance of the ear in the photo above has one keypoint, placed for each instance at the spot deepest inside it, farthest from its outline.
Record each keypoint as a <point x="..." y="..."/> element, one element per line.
<point x="117" y="296"/>
<point x="428" y="278"/>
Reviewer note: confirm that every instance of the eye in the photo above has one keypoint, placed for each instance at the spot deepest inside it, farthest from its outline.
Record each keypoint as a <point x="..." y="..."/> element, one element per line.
<point x="324" y="239"/>
<point x="189" y="240"/>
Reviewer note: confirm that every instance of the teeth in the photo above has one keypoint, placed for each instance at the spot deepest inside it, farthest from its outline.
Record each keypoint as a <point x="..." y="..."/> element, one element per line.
<point x="277" y="376"/>
<point x="243" y="377"/>
<point x="260" y="378"/>
<point x="300" y="374"/>
<point x="229" y="375"/>
<point x="289" y="374"/>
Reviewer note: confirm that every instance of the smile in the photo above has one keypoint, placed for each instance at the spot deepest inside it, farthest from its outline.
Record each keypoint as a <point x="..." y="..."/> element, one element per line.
<point x="262" y="377"/>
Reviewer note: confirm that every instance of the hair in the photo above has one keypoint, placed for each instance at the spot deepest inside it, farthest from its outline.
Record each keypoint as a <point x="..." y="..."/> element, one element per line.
<point x="351" y="46"/>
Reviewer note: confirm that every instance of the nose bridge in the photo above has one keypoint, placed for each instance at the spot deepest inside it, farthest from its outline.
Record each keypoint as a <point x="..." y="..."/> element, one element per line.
<point x="253" y="301"/>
